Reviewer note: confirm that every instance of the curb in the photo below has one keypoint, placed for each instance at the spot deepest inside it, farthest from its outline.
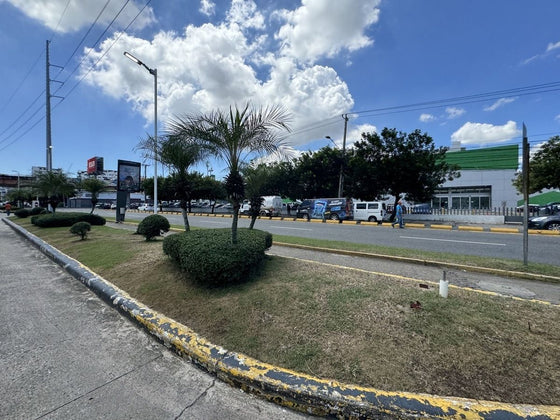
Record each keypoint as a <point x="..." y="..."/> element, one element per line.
<point x="301" y="392"/>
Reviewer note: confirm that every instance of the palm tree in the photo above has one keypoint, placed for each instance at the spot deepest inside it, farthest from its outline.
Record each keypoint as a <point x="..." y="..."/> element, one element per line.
<point x="233" y="137"/>
<point x="93" y="186"/>
<point x="179" y="153"/>
<point x="54" y="186"/>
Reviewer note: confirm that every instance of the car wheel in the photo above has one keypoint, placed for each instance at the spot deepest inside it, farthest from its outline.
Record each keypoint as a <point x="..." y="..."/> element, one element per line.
<point x="334" y="216"/>
<point x="553" y="226"/>
<point x="372" y="219"/>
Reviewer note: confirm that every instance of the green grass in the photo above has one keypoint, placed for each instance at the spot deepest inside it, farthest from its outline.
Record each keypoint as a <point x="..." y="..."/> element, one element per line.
<point x="345" y="325"/>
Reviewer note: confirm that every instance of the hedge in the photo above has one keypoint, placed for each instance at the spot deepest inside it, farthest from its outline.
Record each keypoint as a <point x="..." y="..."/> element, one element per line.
<point x="66" y="219"/>
<point x="209" y="257"/>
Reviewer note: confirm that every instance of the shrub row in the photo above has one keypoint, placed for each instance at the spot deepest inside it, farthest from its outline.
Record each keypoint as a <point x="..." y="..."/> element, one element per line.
<point x="23" y="213"/>
<point x="66" y="219"/>
<point x="209" y="257"/>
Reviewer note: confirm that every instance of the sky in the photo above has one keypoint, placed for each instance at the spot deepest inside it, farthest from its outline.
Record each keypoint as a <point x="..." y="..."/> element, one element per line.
<point x="464" y="72"/>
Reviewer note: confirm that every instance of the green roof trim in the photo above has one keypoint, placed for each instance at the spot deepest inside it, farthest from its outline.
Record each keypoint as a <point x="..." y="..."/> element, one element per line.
<point x="501" y="157"/>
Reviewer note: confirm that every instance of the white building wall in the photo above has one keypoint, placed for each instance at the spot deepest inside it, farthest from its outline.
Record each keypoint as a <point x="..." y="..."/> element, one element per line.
<point x="503" y="194"/>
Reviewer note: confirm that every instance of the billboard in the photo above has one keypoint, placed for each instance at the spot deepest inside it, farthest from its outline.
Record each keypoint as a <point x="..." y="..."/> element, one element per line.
<point x="95" y="165"/>
<point x="128" y="178"/>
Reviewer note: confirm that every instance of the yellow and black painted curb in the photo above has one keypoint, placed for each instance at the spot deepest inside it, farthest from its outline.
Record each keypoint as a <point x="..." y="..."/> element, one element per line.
<point x="411" y="224"/>
<point x="305" y="393"/>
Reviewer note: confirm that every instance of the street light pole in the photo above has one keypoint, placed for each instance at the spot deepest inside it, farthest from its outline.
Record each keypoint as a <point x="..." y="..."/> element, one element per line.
<point x="341" y="177"/>
<point x="153" y="72"/>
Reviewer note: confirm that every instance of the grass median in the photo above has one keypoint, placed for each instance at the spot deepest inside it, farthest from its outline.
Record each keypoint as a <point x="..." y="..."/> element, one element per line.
<point x="346" y="325"/>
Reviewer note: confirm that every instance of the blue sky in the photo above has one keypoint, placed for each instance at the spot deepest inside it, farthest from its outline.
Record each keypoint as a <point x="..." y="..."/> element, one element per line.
<point x="466" y="71"/>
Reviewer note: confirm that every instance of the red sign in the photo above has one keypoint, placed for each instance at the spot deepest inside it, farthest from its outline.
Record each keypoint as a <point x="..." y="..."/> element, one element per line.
<point x="92" y="165"/>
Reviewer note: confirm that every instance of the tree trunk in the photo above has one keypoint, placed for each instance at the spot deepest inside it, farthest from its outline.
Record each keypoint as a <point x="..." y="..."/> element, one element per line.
<point x="236" y="207"/>
<point x="253" y="220"/>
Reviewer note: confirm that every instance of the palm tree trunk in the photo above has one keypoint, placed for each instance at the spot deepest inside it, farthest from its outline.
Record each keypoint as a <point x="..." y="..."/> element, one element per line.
<point x="253" y="220"/>
<point x="236" y="207"/>
<point x="185" y="214"/>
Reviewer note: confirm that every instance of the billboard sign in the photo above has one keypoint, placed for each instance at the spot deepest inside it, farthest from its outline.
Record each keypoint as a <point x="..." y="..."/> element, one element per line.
<point x="128" y="176"/>
<point x="95" y="165"/>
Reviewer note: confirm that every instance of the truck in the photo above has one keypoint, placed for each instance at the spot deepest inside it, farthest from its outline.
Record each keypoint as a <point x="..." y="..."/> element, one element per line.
<point x="326" y="208"/>
<point x="272" y="206"/>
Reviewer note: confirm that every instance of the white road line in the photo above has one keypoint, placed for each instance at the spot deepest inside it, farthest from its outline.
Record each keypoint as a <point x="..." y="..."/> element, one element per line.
<point x="451" y="240"/>
<point x="292" y="228"/>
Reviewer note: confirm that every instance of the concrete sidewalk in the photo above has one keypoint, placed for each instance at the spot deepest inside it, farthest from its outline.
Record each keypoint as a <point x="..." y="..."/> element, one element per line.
<point x="310" y="394"/>
<point x="64" y="354"/>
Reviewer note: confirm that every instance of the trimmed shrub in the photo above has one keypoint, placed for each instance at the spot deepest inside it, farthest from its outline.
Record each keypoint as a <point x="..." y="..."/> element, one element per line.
<point x="209" y="257"/>
<point x="38" y="210"/>
<point x="22" y="213"/>
<point x="81" y="229"/>
<point x="66" y="219"/>
<point x="153" y="226"/>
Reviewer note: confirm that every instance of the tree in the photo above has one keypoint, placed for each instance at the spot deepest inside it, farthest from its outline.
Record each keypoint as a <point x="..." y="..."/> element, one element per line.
<point x="54" y="186"/>
<point x="319" y="173"/>
<point x="403" y="165"/>
<point x="93" y="186"/>
<point x="179" y="152"/>
<point x="256" y="178"/>
<point x="234" y="137"/>
<point x="544" y="168"/>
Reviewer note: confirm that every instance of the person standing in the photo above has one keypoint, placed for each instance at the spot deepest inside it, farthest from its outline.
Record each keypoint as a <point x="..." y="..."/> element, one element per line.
<point x="398" y="216"/>
<point x="8" y="208"/>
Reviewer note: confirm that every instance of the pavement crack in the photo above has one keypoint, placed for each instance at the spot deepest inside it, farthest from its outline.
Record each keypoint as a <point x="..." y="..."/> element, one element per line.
<point x="196" y="399"/>
<point x="100" y="386"/>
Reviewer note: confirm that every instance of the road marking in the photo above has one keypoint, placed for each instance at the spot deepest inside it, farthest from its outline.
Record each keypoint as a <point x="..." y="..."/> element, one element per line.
<point x="292" y="228"/>
<point x="452" y="240"/>
<point x="214" y="223"/>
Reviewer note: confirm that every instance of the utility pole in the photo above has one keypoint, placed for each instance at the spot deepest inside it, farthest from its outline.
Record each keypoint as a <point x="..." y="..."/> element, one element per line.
<point x="48" y="116"/>
<point x="341" y="176"/>
<point x="48" y="90"/>
<point x="525" y="170"/>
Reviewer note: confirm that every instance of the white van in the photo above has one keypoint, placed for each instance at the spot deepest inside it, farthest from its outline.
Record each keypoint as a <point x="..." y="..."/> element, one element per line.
<point x="272" y="206"/>
<point x="370" y="211"/>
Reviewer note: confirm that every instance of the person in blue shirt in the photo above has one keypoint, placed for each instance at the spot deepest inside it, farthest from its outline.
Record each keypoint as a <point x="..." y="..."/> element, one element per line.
<point x="398" y="216"/>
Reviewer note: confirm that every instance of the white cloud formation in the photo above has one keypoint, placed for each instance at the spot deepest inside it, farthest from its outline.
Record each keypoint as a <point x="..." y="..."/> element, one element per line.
<point x="453" y="112"/>
<point x="426" y="118"/>
<point x="216" y="65"/>
<point x="321" y="28"/>
<point x="552" y="46"/>
<point x="207" y="7"/>
<point x="63" y="16"/>
<point x="557" y="118"/>
<point x="482" y="134"/>
<point x="500" y="102"/>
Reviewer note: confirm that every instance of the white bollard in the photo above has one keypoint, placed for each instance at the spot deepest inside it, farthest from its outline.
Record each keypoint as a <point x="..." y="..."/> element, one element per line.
<point x="443" y="286"/>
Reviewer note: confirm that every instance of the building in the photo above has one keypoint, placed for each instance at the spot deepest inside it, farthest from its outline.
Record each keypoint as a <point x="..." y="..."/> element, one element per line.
<point x="486" y="180"/>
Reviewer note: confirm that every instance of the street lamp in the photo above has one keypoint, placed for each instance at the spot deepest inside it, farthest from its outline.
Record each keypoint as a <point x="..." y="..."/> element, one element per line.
<point x="341" y="174"/>
<point x="153" y="72"/>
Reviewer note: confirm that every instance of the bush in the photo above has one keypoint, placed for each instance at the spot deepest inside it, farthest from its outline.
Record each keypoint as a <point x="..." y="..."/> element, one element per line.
<point x="38" y="210"/>
<point x="81" y="229"/>
<point x="153" y="226"/>
<point x="22" y="213"/>
<point x="209" y="257"/>
<point x="66" y="219"/>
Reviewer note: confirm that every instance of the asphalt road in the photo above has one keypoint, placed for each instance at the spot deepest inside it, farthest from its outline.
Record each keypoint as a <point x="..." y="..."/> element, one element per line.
<point x="542" y="248"/>
<point x="64" y="354"/>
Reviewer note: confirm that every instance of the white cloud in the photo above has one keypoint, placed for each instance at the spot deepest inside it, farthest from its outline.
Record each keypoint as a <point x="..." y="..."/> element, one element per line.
<point x="557" y="118"/>
<point x="427" y="118"/>
<point x="500" y="102"/>
<point x="453" y="112"/>
<point x="63" y="16"/>
<point x="321" y="28"/>
<point x="207" y="7"/>
<point x="219" y="64"/>
<point x="552" y="46"/>
<point x="482" y="134"/>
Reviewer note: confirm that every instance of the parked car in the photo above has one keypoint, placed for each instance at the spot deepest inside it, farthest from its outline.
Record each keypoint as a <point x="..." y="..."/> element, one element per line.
<point x="133" y="206"/>
<point x="533" y="208"/>
<point x="551" y="222"/>
<point x="271" y="206"/>
<point x="326" y="208"/>
<point x="146" y="207"/>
